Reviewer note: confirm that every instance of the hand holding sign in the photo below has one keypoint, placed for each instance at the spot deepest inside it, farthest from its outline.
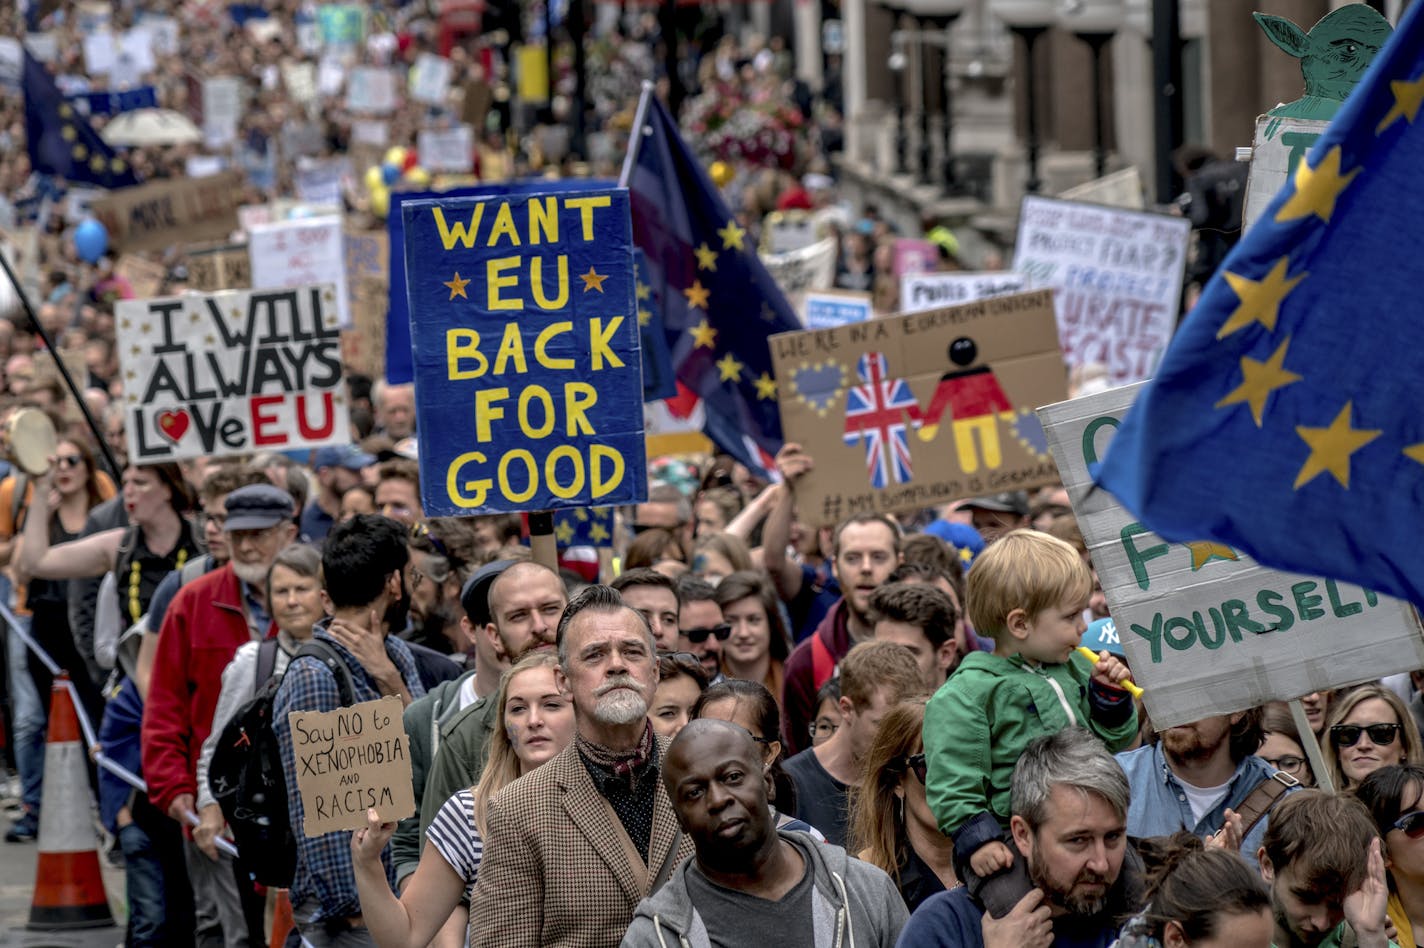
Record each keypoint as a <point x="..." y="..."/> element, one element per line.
<point x="351" y="761"/>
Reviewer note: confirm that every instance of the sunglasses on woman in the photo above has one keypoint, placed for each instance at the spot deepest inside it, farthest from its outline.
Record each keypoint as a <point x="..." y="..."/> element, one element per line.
<point x="722" y="632"/>
<point x="1348" y="735"/>
<point x="69" y="460"/>
<point x="915" y="764"/>
<point x="1411" y="824"/>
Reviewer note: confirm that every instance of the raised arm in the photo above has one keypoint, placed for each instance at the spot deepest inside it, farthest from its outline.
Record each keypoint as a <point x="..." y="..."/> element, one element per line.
<point x="78" y="559"/>
<point x="776" y="533"/>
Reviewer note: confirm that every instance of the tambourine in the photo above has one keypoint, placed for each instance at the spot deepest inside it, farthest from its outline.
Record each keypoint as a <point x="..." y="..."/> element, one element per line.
<point x="33" y="440"/>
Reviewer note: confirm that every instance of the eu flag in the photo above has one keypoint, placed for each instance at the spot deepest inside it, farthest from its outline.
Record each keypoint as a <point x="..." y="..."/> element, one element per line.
<point x="719" y="301"/>
<point x="658" y="379"/>
<point x="61" y="143"/>
<point x="1286" y="417"/>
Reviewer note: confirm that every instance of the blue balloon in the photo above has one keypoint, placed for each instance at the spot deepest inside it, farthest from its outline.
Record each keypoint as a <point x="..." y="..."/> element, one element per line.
<point x="390" y="173"/>
<point x="91" y="239"/>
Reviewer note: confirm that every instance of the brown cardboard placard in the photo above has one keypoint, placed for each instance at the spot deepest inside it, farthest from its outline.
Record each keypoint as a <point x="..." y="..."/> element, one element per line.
<point x="159" y="214"/>
<point x="895" y="423"/>
<point x="145" y="276"/>
<point x="351" y="759"/>
<point x="220" y="268"/>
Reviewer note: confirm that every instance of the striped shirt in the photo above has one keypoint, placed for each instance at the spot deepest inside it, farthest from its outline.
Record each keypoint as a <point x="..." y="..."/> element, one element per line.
<point x="454" y="836"/>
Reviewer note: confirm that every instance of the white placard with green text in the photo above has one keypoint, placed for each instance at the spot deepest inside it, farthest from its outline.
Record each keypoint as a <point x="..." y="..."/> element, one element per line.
<point x="1206" y="629"/>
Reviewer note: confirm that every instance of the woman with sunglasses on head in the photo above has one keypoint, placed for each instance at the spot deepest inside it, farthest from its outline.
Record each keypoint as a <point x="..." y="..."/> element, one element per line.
<point x="681" y="681"/>
<point x="536" y="722"/>
<point x="758" y="644"/>
<point x="749" y="705"/>
<point x="1368" y="728"/>
<point x="1395" y="798"/>
<point x="1281" y="746"/>
<point x="891" y="823"/>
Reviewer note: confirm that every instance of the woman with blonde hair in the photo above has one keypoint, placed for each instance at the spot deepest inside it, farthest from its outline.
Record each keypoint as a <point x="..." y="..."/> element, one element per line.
<point x="1368" y="728"/>
<point x="891" y="823"/>
<point x="536" y="722"/>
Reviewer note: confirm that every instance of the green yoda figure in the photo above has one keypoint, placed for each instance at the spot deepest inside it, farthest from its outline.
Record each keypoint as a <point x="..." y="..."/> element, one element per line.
<point x="1333" y="56"/>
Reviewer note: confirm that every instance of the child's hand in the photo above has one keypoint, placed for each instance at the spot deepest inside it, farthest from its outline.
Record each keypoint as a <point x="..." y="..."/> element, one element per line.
<point x="990" y="858"/>
<point x="1110" y="671"/>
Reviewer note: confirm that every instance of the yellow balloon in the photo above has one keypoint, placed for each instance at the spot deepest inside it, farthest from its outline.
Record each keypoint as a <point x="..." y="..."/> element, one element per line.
<point x="373" y="178"/>
<point x="418" y="176"/>
<point x="722" y="173"/>
<point x="380" y="201"/>
<point x="395" y="155"/>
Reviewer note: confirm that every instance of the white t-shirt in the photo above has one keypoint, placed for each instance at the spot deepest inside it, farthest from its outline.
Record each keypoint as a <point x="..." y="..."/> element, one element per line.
<point x="1203" y="800"/>
<point x="467" y="694"/>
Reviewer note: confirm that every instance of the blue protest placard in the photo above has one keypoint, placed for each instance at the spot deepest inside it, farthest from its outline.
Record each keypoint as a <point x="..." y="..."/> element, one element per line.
<point x="525" y="349"/>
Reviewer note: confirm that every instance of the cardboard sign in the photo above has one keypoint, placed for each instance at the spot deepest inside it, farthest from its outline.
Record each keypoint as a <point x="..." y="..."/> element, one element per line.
<point x="371" y="89"/>
<point x="231" y="373"/>
<point x="145" y="276"/>
<point x="156" y="215"/>
<point x="1119" y="189"/>
<point x="447" y="149"/>
<point x="824" y="310"/>
<point x="430" y="79"/>
<point x="1118" y="275"/>
<point x="295" y="253"/>
<point x="528" y="380"/>
<point x="350" y="760"/>
<point x="363" y="347"/>
<point x="46" y="370"/>
<point x="1280" y="145"/>
<point x="1206" y="629"/>
<point x="922" y="291"/>
<point x="221" y="268"/>
<point x="917" y="410"/>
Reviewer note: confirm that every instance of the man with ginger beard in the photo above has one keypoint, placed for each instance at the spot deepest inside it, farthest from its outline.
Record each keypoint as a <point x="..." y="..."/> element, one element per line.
<point x="1069" y="821"/>
<point x="1202" y="776"/>
<point x="598" y="812"/>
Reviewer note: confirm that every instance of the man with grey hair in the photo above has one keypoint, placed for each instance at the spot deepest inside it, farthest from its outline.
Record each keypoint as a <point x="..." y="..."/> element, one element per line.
<point x="573" y="846"/>
<point x="1069" y="802"/>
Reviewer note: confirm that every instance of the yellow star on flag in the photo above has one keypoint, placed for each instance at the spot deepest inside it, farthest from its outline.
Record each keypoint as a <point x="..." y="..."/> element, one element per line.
<point x="1259" y="380"/>
<point x="1260" y="299"/>
<point x="697" y="295"/>
<point x="580" y="515"/>
<point x="598" y="533"/>
<point x="564" y="532"/>
<point x="593" y="280"/>
<point x="1316" y="189"/>
<point x="1330" y="448"/>
<point x="1415" y="452"/>
<point x="704" y="336"/>
<point x="706" y="257"/>
<point x="765" y="386"/>
<point x="729" y="368"/>
<point x="731" y="236"/>
<point x="644" y="317"/>
<point x="1407" y="98"/>
<point x="645" y="292"/>
<point x="1204" y="551"/>
<point x="457" y="286"/>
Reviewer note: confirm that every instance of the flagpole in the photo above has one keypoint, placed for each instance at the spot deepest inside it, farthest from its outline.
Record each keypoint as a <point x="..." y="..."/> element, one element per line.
<point x="63" y="370"/>
<point x="635" y="140"/>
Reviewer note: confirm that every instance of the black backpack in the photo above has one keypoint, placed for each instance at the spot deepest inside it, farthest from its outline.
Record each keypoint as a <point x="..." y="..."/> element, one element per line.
<point x="246" y="774"/>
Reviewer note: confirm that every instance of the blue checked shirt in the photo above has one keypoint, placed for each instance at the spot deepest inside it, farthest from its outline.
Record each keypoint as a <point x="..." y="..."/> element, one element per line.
<point x="324" y="870"/>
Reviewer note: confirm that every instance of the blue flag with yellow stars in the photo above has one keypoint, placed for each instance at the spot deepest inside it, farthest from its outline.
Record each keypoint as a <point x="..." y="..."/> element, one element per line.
<point x="584" y="526"/>
<point x="61" y="143"/>
<point x="719" y="302"/>
<point x="1286" y="416"/>
<point x="659" y="382"/>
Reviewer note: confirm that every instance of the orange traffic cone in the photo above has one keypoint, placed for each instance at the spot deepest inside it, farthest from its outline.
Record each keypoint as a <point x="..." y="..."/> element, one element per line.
<point x="69" y="891"/>
<point x="281" y="919"/>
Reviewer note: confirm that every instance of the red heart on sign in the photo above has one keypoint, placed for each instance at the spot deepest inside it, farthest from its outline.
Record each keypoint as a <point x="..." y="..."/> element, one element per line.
<point x="173" y="425"/>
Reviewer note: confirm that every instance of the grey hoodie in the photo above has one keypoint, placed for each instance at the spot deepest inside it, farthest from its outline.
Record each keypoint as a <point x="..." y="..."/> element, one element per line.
<point x="853" y="904"/>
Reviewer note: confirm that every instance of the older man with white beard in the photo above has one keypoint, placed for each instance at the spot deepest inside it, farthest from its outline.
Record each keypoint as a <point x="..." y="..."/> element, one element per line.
<point x="575" y="845"/>
<point x="209" y="618"/>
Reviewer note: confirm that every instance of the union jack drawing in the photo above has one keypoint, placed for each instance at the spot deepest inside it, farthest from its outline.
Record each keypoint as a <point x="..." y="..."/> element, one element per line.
<point x="875" y="414"/>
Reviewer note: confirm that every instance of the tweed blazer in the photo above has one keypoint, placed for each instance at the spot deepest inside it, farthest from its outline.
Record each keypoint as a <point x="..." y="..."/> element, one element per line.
<point x="558" y="867"/>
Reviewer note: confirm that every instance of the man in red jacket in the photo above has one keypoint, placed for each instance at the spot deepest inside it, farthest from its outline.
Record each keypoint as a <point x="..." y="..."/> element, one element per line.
<point x="209" y="618"/>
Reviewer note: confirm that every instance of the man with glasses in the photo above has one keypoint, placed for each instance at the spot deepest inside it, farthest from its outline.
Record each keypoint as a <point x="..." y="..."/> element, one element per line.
<point x="700" y="629"/>
<point x="208" y="620"/>
<point x="1200" y="776"/>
